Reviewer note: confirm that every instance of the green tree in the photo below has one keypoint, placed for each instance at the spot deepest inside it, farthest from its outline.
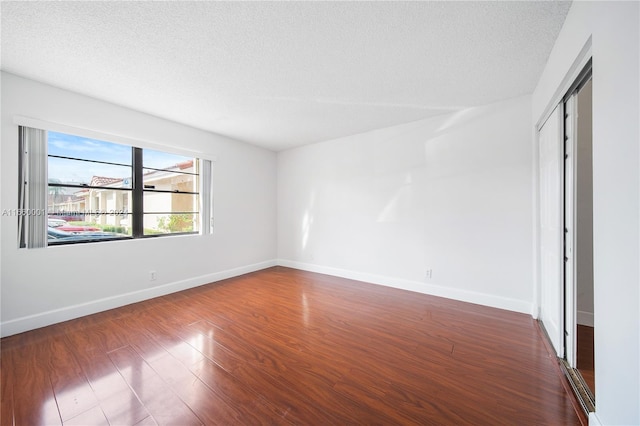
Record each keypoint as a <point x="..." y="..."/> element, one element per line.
<point x="56" y="193"/>
<point x="176" y="223"/>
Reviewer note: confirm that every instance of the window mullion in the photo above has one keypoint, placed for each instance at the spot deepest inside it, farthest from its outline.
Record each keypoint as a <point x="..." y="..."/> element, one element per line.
<point x="137" y="217"/>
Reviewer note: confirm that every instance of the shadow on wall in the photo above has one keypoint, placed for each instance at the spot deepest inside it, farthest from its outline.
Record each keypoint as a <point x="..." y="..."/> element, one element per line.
<point x="426" y="195"/>
<point x="307" y="220"/>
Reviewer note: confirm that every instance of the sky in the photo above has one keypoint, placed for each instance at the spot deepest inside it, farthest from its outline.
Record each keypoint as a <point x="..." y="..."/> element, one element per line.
<point x="73" y="171"/>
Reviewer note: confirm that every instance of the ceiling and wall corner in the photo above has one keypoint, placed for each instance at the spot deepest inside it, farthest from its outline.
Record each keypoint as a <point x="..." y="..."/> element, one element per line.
<point x="283" y="74"/>
<point x="276" y="75"/>
<point x="44" y="286"/>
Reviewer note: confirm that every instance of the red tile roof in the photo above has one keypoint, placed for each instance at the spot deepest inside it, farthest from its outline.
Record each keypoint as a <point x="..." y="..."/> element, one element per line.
<point x="101" y="181"/>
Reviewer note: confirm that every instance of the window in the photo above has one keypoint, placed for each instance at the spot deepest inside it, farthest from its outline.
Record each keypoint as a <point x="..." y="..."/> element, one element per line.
<point x="98" y="190"/>
<point x="170" y="193"/>
<point x="90" y="183"/>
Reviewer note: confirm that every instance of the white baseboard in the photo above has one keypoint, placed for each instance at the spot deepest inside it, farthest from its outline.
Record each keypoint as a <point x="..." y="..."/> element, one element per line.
<point x="585" y="318"/>
<point x="44" y="319"/>
<point x="419" y="287"/>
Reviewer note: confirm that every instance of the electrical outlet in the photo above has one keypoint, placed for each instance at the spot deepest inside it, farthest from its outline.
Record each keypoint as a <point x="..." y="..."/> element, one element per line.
<point x="152" y="275"/>
<point x="428" y="274"/>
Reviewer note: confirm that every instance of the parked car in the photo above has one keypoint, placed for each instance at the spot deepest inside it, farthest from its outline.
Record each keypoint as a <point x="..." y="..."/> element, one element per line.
<point x="62" y="225"/>
<point x="55" y="235"/>
<point x="77" y="229"/>
<point x="67" y="217"/>
<point x="54" y="223"/>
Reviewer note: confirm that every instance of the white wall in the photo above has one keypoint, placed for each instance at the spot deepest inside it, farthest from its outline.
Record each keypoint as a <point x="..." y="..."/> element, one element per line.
<point x="451" y="194"/>
<point x="614" y="31"/>
<point x="42" y="286"/>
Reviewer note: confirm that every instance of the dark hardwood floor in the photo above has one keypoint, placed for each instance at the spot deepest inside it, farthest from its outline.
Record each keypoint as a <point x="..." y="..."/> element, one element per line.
<point x="585" y="358"/>
<point x="282" y="346"/>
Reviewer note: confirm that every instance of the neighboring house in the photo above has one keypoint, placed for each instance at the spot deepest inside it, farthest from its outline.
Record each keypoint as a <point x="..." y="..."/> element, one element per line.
<point x="111" y="203"/>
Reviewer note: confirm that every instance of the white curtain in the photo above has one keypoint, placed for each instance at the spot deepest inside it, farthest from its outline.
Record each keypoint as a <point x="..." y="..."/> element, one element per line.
<point x="206" y="197"/>
<point x="33" y="188"/>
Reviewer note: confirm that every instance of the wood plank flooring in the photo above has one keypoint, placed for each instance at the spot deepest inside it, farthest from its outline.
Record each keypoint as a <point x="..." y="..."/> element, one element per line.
<point x="282" y="347"/>
<point x="585" y="356"/>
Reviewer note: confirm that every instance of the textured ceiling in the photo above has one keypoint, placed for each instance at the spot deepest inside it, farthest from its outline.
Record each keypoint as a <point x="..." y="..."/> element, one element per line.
<point x="282" y="74"/>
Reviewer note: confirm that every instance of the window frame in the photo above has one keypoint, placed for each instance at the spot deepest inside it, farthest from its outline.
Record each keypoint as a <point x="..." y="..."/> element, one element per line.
<point x="203" y="203"/>
<point x="139" y="190"/>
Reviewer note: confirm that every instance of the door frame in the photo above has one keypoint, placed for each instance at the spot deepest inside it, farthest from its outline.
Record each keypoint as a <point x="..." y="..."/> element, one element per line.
<point x="570" y="103"/>
<point x="565" y="100"/>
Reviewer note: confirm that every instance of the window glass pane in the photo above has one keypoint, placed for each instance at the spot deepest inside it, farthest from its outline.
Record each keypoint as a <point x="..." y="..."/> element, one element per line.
<point x="77" y="172"/>
<point x="88" y="149"/>
<point x="67" y="202"/>
<point x="155" y="224"/>
<point x="88" y="215"/>
<point x="169" y="181"/>
<point x="91" y="191"/>
<point x="170" y="202"/>
<point x="92" y="207"/>
<point x="82" y="233"/>
<point x="163" y="160"/>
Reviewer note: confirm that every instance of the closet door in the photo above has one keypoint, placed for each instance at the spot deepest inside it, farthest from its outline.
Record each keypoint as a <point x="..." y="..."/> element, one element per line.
<point x="551" y="232"/>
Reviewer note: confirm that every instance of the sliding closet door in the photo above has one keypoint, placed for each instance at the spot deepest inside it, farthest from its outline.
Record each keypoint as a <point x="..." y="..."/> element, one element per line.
<point x="551" y="232"/>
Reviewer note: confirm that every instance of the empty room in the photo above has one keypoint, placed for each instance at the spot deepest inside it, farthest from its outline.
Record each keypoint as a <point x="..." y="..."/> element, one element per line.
<point x="320" y="213"/>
